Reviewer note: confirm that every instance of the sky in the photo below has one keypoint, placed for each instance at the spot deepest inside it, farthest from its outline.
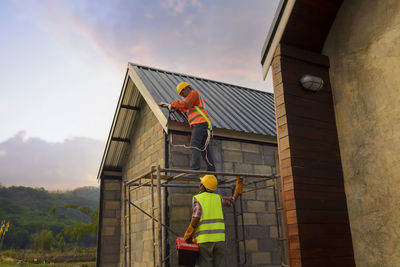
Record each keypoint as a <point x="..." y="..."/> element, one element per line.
<point x="63" y="62"/>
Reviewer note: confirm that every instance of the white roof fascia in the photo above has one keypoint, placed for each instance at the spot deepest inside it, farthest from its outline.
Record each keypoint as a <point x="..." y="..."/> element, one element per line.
<point x="278" y="36"/>
<point x="148" y="97"/>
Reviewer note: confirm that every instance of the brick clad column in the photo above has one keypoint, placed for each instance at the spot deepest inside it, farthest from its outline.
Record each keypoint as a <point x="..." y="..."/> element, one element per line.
<point x="314" y="200"/>
<point x="109" y="254"/>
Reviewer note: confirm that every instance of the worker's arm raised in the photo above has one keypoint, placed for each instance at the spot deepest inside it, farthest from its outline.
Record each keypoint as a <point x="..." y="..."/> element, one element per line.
<point x="238" y="187"/>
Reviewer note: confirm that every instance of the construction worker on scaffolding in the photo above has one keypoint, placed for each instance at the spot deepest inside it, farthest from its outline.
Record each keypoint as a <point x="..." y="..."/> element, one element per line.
<point x="207" y="225"/>
<point x="193" y="105"/>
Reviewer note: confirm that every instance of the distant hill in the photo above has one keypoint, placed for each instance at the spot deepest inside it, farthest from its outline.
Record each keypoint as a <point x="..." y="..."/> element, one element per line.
<point x="27" y="209"/>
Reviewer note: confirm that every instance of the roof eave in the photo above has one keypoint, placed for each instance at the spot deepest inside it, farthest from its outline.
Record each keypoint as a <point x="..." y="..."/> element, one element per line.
<point x="107" y="147"/>
<point x="275" y="33"/>
<point x="147" y="96"/>
<point x="226" y="133"/>
<point x="131" y="73"/>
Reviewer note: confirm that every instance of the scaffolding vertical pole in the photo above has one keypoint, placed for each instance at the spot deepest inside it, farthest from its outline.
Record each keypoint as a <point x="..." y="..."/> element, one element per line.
<point x="235" y="222"/>
<point x="278" y="210"/>
<point x="129" y="226"/>
<point x="160" y="243"/>
<point x="152" y="217"/>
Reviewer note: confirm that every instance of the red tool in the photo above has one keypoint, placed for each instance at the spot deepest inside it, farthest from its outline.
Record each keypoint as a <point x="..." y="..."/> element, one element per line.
<point x="187" y="252"/>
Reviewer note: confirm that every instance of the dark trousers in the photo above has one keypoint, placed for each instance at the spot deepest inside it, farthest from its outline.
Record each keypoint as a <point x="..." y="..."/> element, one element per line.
<point x="199" y="137"/>
<point x="211" y="254"/>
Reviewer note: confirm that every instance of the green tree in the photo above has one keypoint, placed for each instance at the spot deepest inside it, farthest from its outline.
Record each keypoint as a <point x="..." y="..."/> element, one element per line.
<point x="76" y="231"/>
<point x="43" y="240"/>
<point x="60" y="241"/>
<point x="19" y="237"/>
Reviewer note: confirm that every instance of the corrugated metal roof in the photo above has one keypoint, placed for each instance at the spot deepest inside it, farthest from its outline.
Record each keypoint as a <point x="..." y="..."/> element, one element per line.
<point x="229" y="106"/>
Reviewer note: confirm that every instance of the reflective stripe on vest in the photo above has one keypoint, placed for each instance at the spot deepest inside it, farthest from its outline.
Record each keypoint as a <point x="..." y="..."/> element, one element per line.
<point x="187" y="103"/>
<point x="205" y="117"/>
<point x="198" y="114"/>
<point x="194" y="110"/>
<point x="212" y="226"/>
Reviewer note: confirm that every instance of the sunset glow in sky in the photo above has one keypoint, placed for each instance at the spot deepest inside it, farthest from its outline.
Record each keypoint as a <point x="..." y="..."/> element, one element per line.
<point x="63" y="62"/>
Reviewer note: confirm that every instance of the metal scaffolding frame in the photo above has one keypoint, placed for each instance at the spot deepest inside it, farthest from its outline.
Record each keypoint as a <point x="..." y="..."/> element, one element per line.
<point x="156" y="181"/>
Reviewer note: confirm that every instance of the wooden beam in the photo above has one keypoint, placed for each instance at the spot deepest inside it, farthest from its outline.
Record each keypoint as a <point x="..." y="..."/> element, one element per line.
<point x="130" y="107"/>
<point x="118" y="139"/>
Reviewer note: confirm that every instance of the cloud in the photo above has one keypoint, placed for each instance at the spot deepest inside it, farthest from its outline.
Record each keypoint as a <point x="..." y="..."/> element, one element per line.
<point x="148" y="16"/>
<point x="55" y="166"/>
<point x="193" y="37"/>
<point x="178" y="6"/>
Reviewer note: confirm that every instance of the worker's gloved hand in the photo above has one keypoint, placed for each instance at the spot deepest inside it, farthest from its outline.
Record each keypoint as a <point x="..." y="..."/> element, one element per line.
<point x="171" y="108"/>
<point x="239" y="186"/>
<point x="163" y="105"/>
<point x="188" y="234"/>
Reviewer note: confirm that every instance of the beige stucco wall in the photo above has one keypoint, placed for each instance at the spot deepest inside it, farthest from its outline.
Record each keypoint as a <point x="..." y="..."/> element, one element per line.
<point x="364" y="50"/>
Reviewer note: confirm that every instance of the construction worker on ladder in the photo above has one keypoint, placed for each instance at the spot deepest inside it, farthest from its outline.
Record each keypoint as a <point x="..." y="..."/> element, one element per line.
<point x="207" y="225"/>
<point x="194" y="106"/>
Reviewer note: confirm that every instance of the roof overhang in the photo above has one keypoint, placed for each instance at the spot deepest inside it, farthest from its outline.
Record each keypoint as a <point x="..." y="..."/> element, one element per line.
<point x="225" y="133"/>
<point x="303" y="24"/>
<point x="147" y="97"/>
<point x="132" y="94"/>
<point x="275" y="33"/>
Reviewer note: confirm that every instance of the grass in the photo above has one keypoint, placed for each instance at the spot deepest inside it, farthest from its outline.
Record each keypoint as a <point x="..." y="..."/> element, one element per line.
<point x="60" y="264"/>
<point x="84" y="257"/>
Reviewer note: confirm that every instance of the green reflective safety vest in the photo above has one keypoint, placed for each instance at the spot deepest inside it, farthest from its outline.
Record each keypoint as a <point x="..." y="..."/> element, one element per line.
<point x="212" y="226"/>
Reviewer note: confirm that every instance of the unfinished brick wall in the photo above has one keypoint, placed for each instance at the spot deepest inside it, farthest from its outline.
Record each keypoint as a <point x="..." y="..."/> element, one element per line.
<point x="146" y="150"/>
<point x="110" y="225"/>
<point x="147" y="144"/>
<point x="262" y="247"/>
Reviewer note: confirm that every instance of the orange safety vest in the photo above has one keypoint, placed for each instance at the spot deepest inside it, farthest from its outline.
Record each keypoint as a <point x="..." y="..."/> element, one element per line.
<point x="194" y="116"/>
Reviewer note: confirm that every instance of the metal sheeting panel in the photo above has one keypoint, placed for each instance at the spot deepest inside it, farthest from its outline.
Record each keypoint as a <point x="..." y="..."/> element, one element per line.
<point x="229" y="106"/>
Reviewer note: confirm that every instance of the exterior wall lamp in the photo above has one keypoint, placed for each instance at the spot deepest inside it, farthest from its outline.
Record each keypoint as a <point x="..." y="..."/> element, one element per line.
<point x="311" y="83"/>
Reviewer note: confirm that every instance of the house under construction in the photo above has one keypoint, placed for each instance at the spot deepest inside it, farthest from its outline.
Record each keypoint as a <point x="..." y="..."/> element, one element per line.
<point x="145" y="201"/>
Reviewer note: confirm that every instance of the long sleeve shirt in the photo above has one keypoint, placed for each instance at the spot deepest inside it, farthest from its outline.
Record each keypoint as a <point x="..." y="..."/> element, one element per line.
<point x="193" y="99"/>
<point x="196" y="207"/>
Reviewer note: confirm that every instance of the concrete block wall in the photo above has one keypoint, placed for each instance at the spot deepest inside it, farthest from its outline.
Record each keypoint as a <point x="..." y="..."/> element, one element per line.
<point x="141" y="250"/>
<point x="146" y="150"/>
<point x="262" y="247"/>
<point x="147" y="144"/>
<point x="111" y="221"/>
<point x="179" y="216"/>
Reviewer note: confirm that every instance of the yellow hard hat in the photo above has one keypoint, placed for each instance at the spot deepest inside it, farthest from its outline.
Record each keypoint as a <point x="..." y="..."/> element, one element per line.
<point x="181" y="86"/>
<point x="209" y="181"/>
